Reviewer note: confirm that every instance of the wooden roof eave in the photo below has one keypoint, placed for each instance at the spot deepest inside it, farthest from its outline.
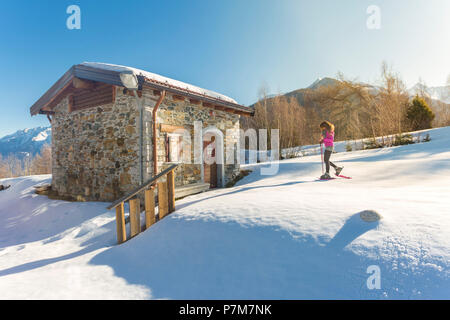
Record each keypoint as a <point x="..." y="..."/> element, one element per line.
<point x="53" y="92"/>
<point x="76" y="71"/>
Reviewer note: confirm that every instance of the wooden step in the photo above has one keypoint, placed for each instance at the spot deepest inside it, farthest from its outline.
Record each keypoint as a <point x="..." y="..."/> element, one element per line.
<point x="189" y="189"/>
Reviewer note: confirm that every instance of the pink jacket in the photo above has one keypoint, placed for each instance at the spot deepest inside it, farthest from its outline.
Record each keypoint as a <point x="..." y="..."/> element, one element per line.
<point x="328" y="139"/>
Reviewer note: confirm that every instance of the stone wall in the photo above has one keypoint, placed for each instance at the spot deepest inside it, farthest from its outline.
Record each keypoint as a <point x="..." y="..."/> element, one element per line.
<point x="96" y="150"/>
<point x="183" y="114"/>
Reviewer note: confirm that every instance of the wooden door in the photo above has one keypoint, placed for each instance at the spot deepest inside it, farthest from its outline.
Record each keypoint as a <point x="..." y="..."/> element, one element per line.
<point x="210" y="170"/>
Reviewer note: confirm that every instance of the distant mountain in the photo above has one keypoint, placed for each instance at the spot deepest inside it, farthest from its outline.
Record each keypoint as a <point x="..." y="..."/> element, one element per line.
<point x="441" y="93"/>
<point x="25" y="142"/>
<point x="323" y="82"/>
<point x="299" y="94"/>
<point x="436" y="94"/>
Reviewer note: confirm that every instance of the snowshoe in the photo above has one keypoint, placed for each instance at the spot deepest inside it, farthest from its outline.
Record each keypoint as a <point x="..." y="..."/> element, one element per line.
<point x="325" y="176"/>
<point x="338" y="170"/>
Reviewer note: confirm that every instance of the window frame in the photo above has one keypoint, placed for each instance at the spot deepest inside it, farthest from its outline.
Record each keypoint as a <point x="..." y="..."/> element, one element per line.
<point x="170" y="138"/>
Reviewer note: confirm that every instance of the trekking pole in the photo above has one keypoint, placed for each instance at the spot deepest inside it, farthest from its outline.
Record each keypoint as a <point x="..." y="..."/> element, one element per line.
<point x="321" y="155"/>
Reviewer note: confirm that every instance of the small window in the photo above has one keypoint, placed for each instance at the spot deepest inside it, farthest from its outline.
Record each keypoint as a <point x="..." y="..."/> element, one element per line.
<point x="174" y="147"/>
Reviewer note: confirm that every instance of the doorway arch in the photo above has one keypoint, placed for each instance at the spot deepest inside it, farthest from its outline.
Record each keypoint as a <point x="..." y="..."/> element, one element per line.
<point x="214" y="135"/>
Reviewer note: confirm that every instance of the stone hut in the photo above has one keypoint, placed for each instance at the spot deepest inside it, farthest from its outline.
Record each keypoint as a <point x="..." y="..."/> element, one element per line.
<point x="114" y="127"/>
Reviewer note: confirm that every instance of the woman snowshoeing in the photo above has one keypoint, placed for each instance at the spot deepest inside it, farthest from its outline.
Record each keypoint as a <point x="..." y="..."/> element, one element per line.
<point x="327" y="138"/>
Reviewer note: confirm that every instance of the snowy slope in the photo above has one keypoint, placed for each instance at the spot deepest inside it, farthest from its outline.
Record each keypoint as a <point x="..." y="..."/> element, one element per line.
<point x="26" y="141"/>
<point x="282" y="236"/>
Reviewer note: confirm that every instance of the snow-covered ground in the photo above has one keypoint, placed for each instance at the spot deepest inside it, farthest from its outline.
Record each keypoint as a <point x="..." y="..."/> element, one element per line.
<point x="280" y="237"/>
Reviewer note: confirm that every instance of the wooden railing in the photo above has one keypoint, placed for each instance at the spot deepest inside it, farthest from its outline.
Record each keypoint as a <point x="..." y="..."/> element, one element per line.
<point x="166" y="204"/>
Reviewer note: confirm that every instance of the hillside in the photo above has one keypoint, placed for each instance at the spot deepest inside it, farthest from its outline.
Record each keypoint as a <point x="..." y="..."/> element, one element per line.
<point x="286" y="236"/>
<point x="435" y="94"/>
<point x="299" y="94"/>
<point x="26" y="141"/>
<point x="321" y="82"/>
<point x="358" y="110"/>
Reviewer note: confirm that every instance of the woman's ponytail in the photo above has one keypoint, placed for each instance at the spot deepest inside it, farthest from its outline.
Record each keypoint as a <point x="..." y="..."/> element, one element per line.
<point x="327" y="125"/>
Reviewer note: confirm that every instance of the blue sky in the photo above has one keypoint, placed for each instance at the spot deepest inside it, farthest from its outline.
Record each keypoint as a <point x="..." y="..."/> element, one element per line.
<point x="232" y="46"/>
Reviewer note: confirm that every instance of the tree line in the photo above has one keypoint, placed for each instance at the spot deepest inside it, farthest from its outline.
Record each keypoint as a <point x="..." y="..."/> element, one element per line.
<point x="358" y="110"/>
<point x="13" y="166"/>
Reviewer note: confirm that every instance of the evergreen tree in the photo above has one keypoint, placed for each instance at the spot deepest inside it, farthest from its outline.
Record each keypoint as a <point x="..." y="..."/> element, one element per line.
<point x="419" y="114"/>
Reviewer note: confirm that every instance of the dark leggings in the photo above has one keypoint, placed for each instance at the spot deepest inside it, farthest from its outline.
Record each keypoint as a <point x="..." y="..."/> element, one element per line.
<point x="327" y="161"/>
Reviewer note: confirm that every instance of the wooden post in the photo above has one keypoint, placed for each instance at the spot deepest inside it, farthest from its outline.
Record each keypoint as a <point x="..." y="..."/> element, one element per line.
<point x="135" y="216"/>
<point x="149" y="208"/>
<point x="120" y="222"/>
<point x="163" y="206"/>
<point x="171" y="190"/>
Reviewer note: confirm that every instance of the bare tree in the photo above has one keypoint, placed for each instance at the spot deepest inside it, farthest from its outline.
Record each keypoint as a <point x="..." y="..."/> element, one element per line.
<point x="421" y="89"/>
<point x="279" y="112"/>
<point x="42" y="163"/>
<point x="389" y="105"/>
<point x="3" y="168"/>
<point x="289" y="117"/>
<point x="345" y="104"/>
<point x="13" y="166"/>
<point x="442" y="112"/>
<point x="261" y="117"/>
<point x="26" y="165"/>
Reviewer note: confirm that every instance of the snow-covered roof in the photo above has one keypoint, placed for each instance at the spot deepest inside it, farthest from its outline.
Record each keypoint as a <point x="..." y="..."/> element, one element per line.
<point x="153" y="77"/>
<point x="110" y="74"/>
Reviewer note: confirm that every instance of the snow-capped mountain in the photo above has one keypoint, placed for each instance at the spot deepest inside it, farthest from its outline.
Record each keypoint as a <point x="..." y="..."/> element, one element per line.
<point x="25" y="142"/>
<point x="441" y="93"/>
